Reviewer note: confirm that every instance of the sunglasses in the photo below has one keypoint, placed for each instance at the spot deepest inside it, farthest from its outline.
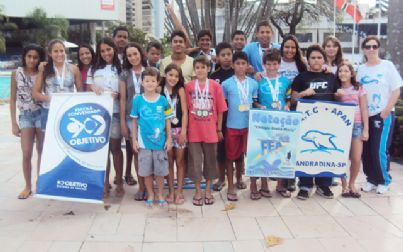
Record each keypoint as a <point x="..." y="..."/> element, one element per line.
<point x="368" y="47"/>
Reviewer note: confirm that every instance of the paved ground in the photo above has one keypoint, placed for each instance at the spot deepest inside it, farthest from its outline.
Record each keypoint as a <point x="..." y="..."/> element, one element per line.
<point x="372" y="223"/>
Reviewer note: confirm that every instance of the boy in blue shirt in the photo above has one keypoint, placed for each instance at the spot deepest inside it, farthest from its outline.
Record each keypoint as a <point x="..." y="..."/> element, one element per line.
<point x="274" y="94"/>
<point x="239" y="91"/>
<point x="151" y="127"/>
<point x="256" y="50"/>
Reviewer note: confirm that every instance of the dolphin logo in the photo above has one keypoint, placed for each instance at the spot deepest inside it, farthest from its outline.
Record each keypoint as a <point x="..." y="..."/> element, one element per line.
<point x="264" y="167"/>
<point x="321" y="141"/>
<point x="366" y="80"/>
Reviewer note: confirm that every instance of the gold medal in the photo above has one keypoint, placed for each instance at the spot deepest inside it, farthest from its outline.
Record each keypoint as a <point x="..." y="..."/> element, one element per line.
<point x="243" y="107"/>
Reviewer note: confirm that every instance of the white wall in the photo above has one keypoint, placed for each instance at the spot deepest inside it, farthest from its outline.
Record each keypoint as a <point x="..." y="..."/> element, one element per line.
<point x="70" y="9"/>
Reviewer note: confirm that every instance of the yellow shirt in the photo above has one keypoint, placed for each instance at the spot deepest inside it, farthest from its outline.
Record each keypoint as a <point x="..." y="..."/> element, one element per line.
<point x="187" y="67"/>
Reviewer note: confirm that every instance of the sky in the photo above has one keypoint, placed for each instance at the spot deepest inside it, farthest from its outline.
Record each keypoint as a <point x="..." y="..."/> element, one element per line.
<point x="371" y="3"/>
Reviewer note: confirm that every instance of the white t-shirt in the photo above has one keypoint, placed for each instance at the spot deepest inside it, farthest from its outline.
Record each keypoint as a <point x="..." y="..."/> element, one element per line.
<point x="108" y="79"/>
<point x="288" y="70"/>
<point x="379" y="82"/>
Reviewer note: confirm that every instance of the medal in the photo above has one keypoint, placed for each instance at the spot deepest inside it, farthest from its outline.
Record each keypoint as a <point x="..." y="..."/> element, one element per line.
<point x="175" y="121"/>
<point x="137" y="82"/>
<point x="199" y="113"/>
<point x="60" y="77"/>
<point x="202" y="99"/>
<point x="243" y="107"/>
<point x="276" y="105"/>
<point x="205" y="113"/>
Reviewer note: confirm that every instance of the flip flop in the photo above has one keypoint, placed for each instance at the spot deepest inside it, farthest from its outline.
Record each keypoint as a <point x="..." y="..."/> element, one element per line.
<point x="180" y="199"/>
<point x="241" y="185"/>
<point x="346" y="194"/>
<point x="218" y="186"/>
<point x="140" y="196"/>
<point x="232" y="197"/>
<point x="355" y="195"/>
<point x="162" y="203"/>
<point x="255" y="195"/>
<point x="20" y="196"/>
<point x="149" y="203"/>
<point x="170" y="201"/>
<point x="284" y="192"/>
<point x="198" y="201"/>
<point x="209" y="200"/>
<point x="265" y="193"/>
<point x="130" y="180"/>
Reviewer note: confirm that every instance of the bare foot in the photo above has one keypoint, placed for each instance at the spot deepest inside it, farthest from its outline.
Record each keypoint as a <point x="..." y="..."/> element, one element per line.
<point x="119" y="191"/>
<point x="170" y="198"/>
<point x="25" y="193"/>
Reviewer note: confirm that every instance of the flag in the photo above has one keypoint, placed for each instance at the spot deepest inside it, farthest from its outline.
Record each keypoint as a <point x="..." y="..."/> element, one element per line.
<point x="349" y="8"/>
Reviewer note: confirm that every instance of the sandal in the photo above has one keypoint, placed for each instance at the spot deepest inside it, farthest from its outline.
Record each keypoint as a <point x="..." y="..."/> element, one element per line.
<point x="130" y="180"/>
<point x="149" y="203"/>
<point x="346" y="193"/>
<point x="265" y="193"/>
<point x="240" y="185"/>
<point x="180" y="199"/>
<point x="24" y="196"/>
<point x="218" y="186"/>
<point x="197" y="201"/>
<point x="140" y="196"/>
<point x="284" y="192"/>
<point x="169" y="200"/>
<point x="255" y="195"/>
<point x="355" y="195"/>
<point x="162" y="203"/>
<point x="209" y="200"/>
<point x="232" y="196"/>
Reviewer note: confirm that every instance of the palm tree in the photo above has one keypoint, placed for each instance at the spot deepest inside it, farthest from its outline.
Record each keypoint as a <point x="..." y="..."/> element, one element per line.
<point x="5" y="26"/>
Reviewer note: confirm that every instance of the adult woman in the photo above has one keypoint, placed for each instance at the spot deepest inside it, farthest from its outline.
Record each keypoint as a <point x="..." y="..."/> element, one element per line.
<point x="292" y="61"/>
<point x="29" y="123"/>
<point x="334" y="53"/>
<point x="382" y="83"/>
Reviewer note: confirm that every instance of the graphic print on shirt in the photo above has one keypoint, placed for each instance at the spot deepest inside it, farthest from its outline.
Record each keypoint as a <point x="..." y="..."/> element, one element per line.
<point x="375" y="98"/>
<point x="147" y="114"/>
<point x="318" y="85"/>
<point x="202" y="108"/>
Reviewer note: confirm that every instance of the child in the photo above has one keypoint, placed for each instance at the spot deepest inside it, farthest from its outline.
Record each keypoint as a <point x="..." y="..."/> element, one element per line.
<point x="255" y="50"/>
<point x="104" y="76"/>
<point x="272" y="95"/>
<point x="151" y="127"/>
<point x="352" y="92"/>
<point x="239" y="90"/>
<point x="154" y="52"/>
<point x="224" y="71"/>
<point x="134" y="63"/>
<point x="238" y="40"/>
<point x="29" y="123"/>
<point x="304" y="86"/>
<point x="206" y="105"/>
<point x="172" y="87"/>
<point x="57" y="76"/>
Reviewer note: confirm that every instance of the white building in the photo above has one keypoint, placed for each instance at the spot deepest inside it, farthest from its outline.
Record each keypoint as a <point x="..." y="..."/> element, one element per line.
<point x="147" y="15"/>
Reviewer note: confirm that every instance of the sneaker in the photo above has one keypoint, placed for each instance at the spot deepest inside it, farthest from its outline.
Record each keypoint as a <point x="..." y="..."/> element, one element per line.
<point x="325" y="192"/>
<point x="382" y="189"/>
<point x="303" y="195"/>
<point x="367" y="187"/>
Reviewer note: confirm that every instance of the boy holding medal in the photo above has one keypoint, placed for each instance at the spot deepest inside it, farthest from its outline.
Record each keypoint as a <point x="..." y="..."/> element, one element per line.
<point x="206" y="104"/>
<point x="274" y="94"/>
<point x="239" y="91"/>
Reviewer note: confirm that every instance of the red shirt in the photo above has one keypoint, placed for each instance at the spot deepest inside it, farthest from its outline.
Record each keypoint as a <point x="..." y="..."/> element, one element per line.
<point x="202" y="125"/>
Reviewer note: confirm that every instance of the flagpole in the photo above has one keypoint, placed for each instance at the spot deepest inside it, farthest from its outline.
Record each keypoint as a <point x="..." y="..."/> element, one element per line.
<point x="353" y="37"/>
<point x="334" y="18"/>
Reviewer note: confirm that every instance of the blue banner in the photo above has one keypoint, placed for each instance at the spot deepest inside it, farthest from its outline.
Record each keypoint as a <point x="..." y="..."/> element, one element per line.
<point x="272" y="143"/>
<point x="76" y="147"/>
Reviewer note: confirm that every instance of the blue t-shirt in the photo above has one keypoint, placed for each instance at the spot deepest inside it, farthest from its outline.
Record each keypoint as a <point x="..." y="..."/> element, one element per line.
<point x="254" y="56"/>
<point x="265" y="96"/>
<point x="237" y="119"/>
<point x="151" y="116"/>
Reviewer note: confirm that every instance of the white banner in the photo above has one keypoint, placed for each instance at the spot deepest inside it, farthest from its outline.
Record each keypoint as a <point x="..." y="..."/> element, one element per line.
<point x="76" y="147"/>
<point x="325" y="138"/>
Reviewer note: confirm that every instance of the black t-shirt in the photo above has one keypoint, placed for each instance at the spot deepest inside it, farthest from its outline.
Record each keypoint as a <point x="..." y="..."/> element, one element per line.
<point x="324" y="84"/>
<point x="220" y="75"/>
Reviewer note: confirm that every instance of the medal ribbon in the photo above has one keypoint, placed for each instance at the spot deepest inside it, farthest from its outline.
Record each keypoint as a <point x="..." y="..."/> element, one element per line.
<point x="137" y="82"/>
<point x="60" y="77"/>
<point x="274" y="90"/>
<point x="243" y="89"/>
<point x="172" y="102"/>
<point x="203" y="98"/>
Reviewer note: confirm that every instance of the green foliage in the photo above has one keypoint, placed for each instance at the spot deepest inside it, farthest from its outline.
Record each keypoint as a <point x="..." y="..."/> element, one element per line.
<point x="135" y="34"/>
<point x="44" y="28"/>
<point x="5" y="26"/>
<point x="166" y="44"/>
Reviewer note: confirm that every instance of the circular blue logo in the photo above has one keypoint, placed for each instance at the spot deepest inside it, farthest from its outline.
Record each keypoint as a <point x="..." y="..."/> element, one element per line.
<point x="85" y="127"/>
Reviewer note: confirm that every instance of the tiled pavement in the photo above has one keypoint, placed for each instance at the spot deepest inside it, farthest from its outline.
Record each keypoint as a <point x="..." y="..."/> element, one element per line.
<point x="372" y="223"/>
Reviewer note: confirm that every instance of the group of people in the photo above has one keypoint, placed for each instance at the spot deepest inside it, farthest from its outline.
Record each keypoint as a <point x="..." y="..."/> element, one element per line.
<point x="190" y="109"/>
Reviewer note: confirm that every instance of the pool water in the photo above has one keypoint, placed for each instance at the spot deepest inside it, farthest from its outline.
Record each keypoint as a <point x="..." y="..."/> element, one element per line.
<point x="5" y="87"/>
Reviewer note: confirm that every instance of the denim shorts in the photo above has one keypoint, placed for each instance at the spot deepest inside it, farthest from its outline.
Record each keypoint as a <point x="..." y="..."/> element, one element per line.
<point x="28" y="119"/>
<point x="44" y="117"/>
<point x="115" y="127"/>
<point x="357" y="130"/>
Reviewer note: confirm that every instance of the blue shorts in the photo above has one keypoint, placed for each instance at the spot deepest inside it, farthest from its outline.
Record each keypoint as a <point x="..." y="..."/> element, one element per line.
<point x="357" y="130"/>
<point x="44" y="118"/>
<point x="28" y="119"/>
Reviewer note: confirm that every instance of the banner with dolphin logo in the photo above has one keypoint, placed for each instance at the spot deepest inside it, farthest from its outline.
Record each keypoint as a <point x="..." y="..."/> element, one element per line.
<point x="75" y="150"/>
<point x="272" y="143"/>
<point x="325" y="139"/>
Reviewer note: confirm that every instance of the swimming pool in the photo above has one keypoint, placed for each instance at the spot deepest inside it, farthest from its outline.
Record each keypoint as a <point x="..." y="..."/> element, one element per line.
<point x="5" y="86"/>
